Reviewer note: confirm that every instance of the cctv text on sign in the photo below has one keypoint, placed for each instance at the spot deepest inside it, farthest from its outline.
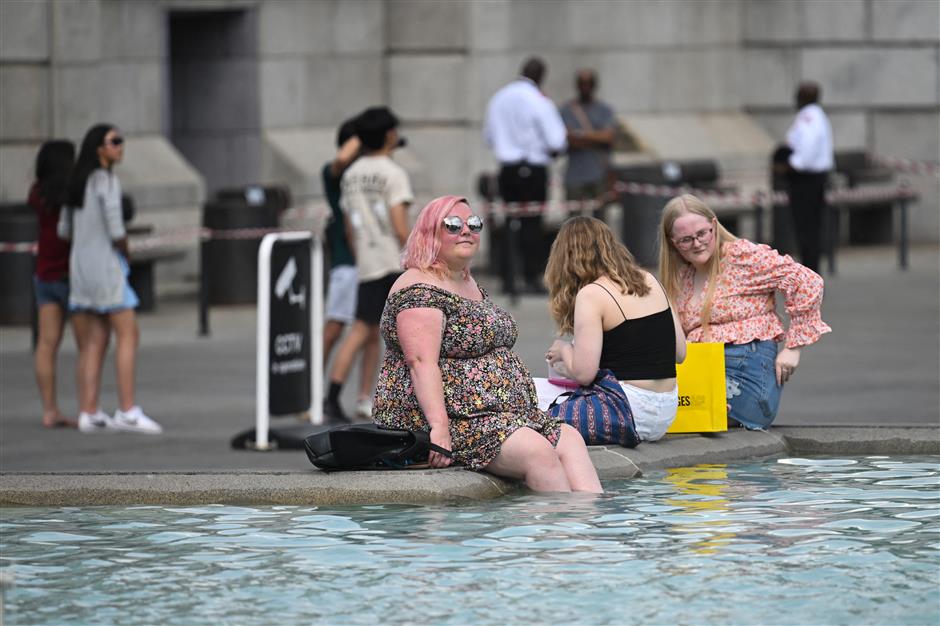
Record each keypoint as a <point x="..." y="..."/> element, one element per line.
<point x="289" y="332"/>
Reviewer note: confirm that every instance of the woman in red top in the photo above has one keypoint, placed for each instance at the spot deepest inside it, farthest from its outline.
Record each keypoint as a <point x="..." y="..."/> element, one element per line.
<point x="53" y="164"/>
<point x="723" y="288"/>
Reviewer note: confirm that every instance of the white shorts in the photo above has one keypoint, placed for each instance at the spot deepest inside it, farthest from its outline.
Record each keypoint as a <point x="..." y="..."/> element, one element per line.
<point x="653" y="411"/>
<point x="341" y="294"/>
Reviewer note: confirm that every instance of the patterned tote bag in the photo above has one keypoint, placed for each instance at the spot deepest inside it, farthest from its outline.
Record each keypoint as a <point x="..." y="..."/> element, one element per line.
<point x="599" y="411"/>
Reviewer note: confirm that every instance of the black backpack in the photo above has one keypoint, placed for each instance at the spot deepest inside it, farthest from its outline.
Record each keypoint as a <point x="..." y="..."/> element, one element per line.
<point x="369" y="447"/>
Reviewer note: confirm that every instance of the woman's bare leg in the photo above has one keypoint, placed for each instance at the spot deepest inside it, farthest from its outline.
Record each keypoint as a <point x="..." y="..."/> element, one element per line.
<point x="51" y="322"/>
<point x="528" y="456"/>
<point x="577" y="462"/>
<point x="92" y="338"/>
<point x="127" y="333"/>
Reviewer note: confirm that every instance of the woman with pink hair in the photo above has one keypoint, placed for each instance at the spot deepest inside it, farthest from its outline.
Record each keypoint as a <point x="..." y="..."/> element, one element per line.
<point x="449" y="366"/>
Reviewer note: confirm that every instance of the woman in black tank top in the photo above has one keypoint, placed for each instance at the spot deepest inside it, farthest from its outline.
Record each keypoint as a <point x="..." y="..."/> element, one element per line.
<point x="620" y="319"/>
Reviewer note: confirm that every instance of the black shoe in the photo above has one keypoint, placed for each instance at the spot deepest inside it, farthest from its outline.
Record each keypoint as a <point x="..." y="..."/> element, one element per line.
<point x="333" y="414"/>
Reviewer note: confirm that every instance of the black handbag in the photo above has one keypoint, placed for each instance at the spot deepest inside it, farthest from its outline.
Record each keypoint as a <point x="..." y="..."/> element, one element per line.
<point x="369" y="447"/>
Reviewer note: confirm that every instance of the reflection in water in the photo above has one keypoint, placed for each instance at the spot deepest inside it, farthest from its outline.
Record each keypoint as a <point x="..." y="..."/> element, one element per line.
<point x="702" y="489"/>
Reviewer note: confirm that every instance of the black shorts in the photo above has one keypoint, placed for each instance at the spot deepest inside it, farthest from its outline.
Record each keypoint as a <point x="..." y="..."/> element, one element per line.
<point x="371" y="298"/>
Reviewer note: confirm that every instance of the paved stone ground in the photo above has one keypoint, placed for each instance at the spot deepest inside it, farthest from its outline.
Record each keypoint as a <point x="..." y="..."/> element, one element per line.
<point x="881" y="365"/>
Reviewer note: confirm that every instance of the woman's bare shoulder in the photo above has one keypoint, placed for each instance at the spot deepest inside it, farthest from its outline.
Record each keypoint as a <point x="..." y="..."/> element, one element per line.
<point x="412" y="277"/>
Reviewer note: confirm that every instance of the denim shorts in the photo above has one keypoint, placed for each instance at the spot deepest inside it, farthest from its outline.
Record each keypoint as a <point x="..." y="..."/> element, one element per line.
<point x="751" y="381"/>
<point x="51" y="292"/>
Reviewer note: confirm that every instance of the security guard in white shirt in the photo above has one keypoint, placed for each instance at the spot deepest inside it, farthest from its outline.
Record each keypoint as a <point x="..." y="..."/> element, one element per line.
<point x="525" y="131"/>
<point x="810" y="139"/>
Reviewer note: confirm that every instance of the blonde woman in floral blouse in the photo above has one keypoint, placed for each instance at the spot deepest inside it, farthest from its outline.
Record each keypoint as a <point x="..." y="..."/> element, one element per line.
<point x="449" y="366"/>
<point x="723" y="288"/>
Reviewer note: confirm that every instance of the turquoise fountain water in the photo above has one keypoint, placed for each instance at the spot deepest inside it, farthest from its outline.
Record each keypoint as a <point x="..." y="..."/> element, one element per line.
<point x="807" y="541"/>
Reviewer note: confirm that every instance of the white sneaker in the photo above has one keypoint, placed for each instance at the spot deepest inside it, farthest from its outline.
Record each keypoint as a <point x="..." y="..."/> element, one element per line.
<point x="134" y="420"/>
<point x="95" y="422"/>
<point x="364" y="408"/>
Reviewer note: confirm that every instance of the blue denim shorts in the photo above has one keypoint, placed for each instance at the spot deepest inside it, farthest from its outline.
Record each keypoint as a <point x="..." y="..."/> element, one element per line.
<point x="751" y="381"/>
<point x="51" y="292"/>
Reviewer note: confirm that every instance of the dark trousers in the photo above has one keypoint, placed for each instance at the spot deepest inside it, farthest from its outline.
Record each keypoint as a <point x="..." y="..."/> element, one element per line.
<point x="521" y="182"/>
<point x="807" y="207"/>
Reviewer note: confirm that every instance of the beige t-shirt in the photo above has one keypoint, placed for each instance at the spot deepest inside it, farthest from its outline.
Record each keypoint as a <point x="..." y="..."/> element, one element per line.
<point x="371" y="186"/>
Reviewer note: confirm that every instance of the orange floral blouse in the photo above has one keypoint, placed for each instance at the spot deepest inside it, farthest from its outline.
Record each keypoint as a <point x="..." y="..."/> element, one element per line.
<point x="743" y="307"/>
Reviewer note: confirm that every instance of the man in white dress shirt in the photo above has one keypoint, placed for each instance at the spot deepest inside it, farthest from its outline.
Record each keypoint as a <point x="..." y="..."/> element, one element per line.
<point x="810" y="139"/>
<point x="525" y="131"/>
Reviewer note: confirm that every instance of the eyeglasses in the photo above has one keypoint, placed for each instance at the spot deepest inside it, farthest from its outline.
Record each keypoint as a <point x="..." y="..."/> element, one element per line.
<point x="454" y="225"/>
<point x="702" y="236"/>
<point x="115" y="141"/>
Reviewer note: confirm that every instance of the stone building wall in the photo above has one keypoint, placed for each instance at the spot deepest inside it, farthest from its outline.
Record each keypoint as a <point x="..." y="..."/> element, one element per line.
<point x="65" y="65"/>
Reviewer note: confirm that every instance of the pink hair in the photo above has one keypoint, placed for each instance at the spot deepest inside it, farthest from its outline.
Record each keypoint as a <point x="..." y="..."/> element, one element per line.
<point x="424" y="242"/>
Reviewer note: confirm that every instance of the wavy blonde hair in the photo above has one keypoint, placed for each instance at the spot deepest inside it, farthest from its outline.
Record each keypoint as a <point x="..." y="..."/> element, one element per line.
<point x="671" y="262"/>
<point x="584" y="250"/>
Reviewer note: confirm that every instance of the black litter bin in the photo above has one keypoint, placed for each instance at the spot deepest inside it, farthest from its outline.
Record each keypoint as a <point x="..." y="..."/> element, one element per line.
<point x="230" y="264"/>
<point x="783" y="239"/>
<point x="18" y="224"/>
<point x="642" y="212"/>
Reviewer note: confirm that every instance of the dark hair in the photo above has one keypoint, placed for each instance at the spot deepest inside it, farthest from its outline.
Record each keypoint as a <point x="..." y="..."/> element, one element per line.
<point x="346" y="130"/>
<point x="534" y="69"/>
<point x="53" y="164"/>
<point x="87" y="162"/>
<point x="372" y="125"/>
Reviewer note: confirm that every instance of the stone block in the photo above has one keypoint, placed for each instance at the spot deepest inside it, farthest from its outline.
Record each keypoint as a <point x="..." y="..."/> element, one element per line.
<point x="223" y="160"/>
<point x="428" y="88"/>
<point x="24" y="30"/>
<point x="539" y="26"/>
<point x="134" y="95"/>
<point x="907" y="135"/>
<point x="849" y="130"/>
<point x="486" y="73"/>
<point x="359" y="26"/>
<point x="804" y="20"/>
<point x="283" y="92"/>
<point x="696" y="80"/>
<point x="834" y="20"/>
<point x="420" y="25"/>
<point x="342" y="86"/>
<point x="647" y="23"/>
<point x="76" y="31"/>
<point x="867" y="76"/>
<point x="134" y="30"/>
<point x="295" y="27"/>
<point x="442" y="157"/>
<point x="78" y="91"/>
<point x="295" y="156"/>
<point x="770" y="76"/>
<point x="24" y="114"/>
<point x="18" y="171"/>
<point x="158" y="176"/>
<point x="490" y="28"/>
<point x="775" y="123"/>
<point x="906" y="20"/>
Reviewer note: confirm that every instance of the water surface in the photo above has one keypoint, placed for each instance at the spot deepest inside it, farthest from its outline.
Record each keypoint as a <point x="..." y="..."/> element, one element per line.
<point x="796" y="541"/>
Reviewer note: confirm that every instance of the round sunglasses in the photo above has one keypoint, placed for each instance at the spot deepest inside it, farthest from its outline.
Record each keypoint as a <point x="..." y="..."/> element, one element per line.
<point x="454" y="225"/>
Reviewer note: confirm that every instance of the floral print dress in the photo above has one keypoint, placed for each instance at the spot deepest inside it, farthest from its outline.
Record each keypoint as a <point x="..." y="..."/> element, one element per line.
<point x="488" y="391"/>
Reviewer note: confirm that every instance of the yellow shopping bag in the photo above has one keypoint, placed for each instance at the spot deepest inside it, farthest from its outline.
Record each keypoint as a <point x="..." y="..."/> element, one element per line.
<point x="702" y="404"/>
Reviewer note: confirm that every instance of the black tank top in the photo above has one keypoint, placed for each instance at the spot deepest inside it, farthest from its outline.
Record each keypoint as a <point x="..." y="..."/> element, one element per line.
<point x="642" y="348"/>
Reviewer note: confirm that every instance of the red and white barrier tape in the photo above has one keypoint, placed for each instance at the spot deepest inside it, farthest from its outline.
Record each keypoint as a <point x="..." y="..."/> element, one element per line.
<point x="187" y="236"/>
<point x="908" y="166"/>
